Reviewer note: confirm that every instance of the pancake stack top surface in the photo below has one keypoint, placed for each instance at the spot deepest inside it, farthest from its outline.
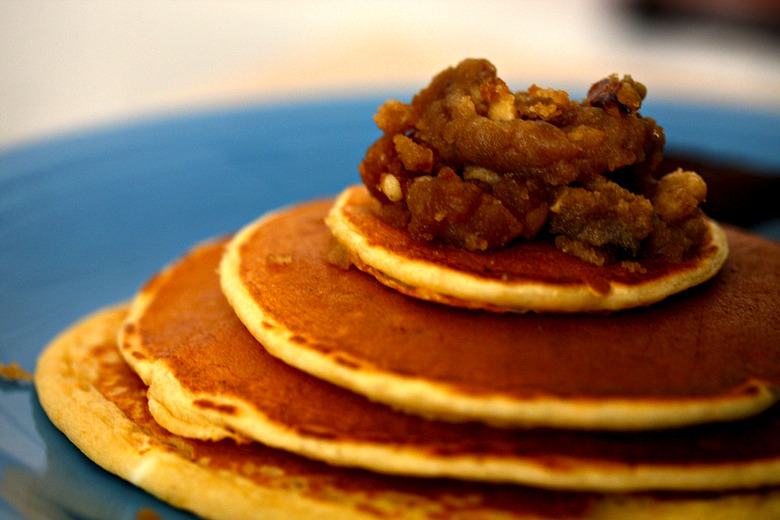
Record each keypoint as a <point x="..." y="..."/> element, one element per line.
<point x="536" y="379"/>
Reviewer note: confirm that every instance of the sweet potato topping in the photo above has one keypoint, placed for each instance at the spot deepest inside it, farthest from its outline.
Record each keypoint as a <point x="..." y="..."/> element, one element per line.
<point x="472" y="164"/>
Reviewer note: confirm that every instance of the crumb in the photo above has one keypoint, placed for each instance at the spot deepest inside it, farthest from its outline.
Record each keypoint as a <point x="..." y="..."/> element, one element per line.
<point x="14" y="372"/>
<point x="339" y="256"/>
<point x="147" y="514"/>
<point x="278" y="259"/>
<point x="633" y="267"/>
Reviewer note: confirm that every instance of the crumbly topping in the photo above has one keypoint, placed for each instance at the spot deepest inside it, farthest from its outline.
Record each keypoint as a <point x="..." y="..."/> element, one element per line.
<point x="470" y="163"/>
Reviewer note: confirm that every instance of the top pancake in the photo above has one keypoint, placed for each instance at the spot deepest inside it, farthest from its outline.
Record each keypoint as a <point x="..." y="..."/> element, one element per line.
<point x="99" y="403"/>
<point x="529" y="276"/>
<point x="706" y="355"/>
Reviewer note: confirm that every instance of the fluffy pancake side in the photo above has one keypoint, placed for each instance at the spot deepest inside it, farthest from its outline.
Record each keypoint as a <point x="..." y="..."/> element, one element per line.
<point x="90" y="394"/>
<point x="572" y="371"/>
<point x="526" y="277"/>
<point x="211" y="372"/>
<point x="98" y="402"/>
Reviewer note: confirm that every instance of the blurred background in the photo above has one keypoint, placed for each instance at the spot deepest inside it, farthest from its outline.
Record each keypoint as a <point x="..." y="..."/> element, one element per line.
<point x="69" y="65"/>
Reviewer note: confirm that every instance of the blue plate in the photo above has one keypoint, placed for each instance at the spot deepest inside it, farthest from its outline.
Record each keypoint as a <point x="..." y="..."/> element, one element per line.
<point x="86" y="219"/>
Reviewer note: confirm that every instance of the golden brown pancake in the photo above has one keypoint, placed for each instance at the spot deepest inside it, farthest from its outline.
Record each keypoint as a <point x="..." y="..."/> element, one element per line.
<point x="99" y="403"/>
<point x="709" y="354"/>
<point x="207" y="374"/>
<point x="529" y="276"/>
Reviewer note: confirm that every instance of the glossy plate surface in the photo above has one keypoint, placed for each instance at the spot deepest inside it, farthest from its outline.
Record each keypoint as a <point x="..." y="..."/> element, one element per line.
<point x="85" y="219"/>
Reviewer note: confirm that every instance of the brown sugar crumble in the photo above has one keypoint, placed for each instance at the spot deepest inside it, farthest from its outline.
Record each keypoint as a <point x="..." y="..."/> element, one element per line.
<point x="472" y="164"/>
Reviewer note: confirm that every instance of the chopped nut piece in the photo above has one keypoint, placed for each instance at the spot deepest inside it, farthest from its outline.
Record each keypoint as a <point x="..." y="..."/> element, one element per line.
<point x="477" y="173"/>
<point x="391" y="187"/>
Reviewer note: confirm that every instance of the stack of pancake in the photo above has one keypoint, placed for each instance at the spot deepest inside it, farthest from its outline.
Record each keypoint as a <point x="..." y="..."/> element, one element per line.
<point x="260" y="376"/>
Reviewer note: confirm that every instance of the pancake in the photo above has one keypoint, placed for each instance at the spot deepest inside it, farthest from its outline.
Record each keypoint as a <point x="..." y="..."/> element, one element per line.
<point x="99" y="403"/>
<point x="529" y="276"/>
<point x="207" y="374"/>
<point x="709" y="354"/>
